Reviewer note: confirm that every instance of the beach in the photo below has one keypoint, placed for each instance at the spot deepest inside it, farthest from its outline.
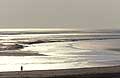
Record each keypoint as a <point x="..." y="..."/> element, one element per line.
<point x="97" y="72"/>
<point x="59" y="53"/>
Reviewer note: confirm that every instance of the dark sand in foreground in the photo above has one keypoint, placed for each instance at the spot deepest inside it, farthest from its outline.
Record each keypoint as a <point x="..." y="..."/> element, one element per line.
<point x="97" y="72"/>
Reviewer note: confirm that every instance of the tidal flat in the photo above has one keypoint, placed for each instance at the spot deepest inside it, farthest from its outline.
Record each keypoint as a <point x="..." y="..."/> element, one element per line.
<point x="58" y="49"/>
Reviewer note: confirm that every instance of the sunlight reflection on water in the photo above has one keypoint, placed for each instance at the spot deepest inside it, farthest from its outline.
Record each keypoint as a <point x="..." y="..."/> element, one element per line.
<point x="60" y="55"/>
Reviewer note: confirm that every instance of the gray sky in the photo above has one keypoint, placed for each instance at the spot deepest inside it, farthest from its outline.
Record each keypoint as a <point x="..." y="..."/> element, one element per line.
<point x="83" y="14"/>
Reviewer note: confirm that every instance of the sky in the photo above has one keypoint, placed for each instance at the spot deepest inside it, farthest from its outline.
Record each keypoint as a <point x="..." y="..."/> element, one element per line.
<point x="82" y="14"/>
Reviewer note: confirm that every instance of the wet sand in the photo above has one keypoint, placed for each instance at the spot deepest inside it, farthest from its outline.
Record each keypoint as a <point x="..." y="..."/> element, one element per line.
<point x="62" y="49"/>
<point x="97" y="72"/>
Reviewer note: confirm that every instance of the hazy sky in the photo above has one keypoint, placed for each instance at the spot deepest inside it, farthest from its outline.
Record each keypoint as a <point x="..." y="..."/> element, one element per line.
<point x="60" y="13"/>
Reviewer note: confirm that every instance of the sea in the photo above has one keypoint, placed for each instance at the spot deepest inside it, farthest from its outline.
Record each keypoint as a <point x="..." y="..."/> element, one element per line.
<point x="50" y="49"/>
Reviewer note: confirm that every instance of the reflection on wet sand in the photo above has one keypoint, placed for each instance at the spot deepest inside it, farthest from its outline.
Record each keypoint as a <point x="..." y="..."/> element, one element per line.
<point x="38" y="51"/>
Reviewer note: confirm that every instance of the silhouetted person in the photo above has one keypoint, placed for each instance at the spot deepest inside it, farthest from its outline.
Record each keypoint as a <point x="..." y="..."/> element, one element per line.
<point x="21" y="68"/>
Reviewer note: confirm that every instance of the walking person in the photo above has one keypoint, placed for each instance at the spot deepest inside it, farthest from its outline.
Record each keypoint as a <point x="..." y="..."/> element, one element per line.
<point x="21" y="71"/>
<point x="21" y="68"/>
